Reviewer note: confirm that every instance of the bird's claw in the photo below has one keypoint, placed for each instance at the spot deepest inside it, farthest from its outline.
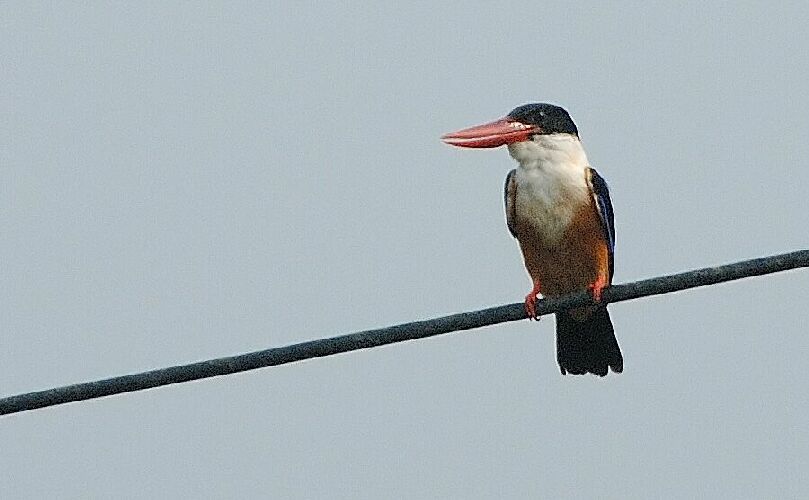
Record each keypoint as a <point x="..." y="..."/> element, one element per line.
<point x="597" y="289"/>
<point x="531" y="302"/>
<point x="531" y="306"/>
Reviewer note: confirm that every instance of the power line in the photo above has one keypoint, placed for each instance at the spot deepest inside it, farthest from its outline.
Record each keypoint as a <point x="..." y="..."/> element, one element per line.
<point x="393" y="334"/>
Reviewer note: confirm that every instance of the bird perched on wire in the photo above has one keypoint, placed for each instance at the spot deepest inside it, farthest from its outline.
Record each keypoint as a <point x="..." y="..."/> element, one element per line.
<point x="559" y="209"/>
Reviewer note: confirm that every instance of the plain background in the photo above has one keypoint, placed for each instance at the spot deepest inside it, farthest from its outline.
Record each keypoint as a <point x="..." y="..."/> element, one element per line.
<point x="183" y="181"/>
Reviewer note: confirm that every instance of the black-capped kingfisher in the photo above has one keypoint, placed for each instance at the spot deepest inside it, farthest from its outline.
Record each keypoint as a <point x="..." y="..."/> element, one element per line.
<point x="559" y="209"/>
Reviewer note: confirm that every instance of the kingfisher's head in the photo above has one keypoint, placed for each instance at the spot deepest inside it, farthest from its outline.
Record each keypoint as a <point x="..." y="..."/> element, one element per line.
<point x="545" y="118"/>
<point x="533" y="132"/>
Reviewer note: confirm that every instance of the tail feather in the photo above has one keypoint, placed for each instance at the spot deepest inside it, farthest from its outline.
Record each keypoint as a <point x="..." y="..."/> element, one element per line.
<point x="587" y="346"/>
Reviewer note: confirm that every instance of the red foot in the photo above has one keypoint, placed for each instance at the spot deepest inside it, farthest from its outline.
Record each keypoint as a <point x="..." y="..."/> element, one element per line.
<point x="597" y="288"/>
<point x="531" y="302"/>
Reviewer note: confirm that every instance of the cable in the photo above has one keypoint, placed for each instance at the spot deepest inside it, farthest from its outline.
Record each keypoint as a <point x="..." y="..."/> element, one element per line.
<point x="398" y="333"/>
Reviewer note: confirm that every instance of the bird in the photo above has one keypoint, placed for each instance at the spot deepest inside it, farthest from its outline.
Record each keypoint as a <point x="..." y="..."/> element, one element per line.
<point x="558" y="208"/>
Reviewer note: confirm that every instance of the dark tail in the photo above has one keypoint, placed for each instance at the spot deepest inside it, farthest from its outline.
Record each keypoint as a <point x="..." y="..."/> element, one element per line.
<point x="587" y="346"/>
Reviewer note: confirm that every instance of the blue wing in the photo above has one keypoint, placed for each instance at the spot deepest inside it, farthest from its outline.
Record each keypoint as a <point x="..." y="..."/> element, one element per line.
<point x="509" y="196"/>
<point x="601" y="193"/>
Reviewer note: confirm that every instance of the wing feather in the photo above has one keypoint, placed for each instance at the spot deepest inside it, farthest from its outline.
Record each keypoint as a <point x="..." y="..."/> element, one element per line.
<point x="510" y="198"/>
<point x="601" y="195"/>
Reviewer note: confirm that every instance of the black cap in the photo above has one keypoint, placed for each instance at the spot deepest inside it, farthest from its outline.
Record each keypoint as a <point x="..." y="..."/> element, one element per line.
<point x="550" y="119"/>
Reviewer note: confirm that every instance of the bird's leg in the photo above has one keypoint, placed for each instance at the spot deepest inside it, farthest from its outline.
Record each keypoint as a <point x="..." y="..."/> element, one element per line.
<point x="598" y="287"/>
<point x="531" y="302"/>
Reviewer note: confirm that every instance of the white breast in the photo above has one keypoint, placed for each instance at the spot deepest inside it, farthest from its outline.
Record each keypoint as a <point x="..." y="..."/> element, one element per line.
<point x="551" y="185"/>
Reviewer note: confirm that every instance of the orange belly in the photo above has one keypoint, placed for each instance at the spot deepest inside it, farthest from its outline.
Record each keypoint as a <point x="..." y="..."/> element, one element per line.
<point x="578" y="259"/>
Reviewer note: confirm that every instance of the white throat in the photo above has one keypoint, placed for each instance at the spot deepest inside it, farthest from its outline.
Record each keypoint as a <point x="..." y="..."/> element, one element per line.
<point x="549" y="151"/>
<point x="551" y="183"/>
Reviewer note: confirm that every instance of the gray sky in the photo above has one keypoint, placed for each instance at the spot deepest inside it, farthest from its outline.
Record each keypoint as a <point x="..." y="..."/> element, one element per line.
<point x="184" y="182"/>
